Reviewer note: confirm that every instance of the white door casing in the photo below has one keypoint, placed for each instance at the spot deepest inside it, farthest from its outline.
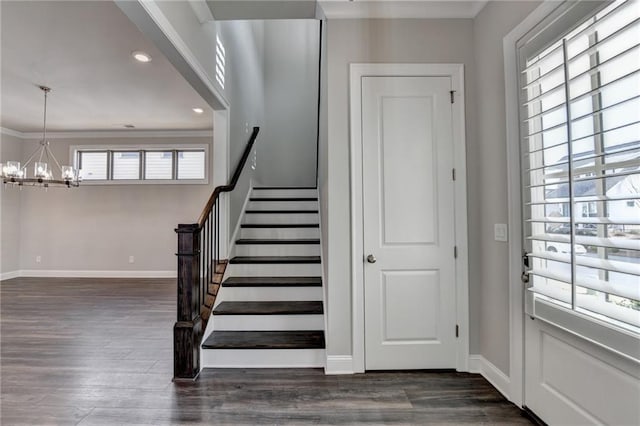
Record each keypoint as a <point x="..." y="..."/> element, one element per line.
<point x="408" y="199"/>
<point x="413" y="284"/>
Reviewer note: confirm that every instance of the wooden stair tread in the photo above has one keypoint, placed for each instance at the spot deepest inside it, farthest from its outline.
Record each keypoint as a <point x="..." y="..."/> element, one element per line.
<point x="273" y="282"/>
<point x="283" y="199"/>
<point x="279" y="225"/>
<point x="253" y="260"/>
<point x="313" y="339"/>
<point x="261" y="241"/>
<point x="281" y="211"/>
<point x="269" y="308"/>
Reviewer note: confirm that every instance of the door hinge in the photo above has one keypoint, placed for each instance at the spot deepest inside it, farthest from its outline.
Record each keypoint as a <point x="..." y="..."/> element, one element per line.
<point x="453" y="174"/>
<point x="457" y="330"/>
<point x="455" y="252"/>
<point x="451" y="92"/>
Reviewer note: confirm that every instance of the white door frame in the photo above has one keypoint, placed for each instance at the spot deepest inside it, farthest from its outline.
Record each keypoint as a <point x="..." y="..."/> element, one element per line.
<point x="456" y="73"/>
<point x="514" y="200"/>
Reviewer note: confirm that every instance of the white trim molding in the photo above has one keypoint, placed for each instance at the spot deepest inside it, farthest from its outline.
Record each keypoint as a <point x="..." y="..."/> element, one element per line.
<point x="456" y="73"/>
<point x="9" y="275"/>
<point x="111" y="134"/>
<point x="516" y="289"/>
<point x="480" y="365"/>
<point x="56" y="273"/>
<point x="11" y="132"/>
<point x="339" y="364"/>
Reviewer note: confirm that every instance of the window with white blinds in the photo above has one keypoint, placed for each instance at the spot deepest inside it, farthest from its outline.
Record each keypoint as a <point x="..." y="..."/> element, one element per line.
<point x="580" y="127"/>
<point x="141" y="164"/>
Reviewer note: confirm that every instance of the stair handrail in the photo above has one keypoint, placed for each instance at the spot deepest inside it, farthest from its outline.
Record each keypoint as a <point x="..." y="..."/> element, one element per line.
<point x="200" y="272"/>
<point x="234" y="179"/>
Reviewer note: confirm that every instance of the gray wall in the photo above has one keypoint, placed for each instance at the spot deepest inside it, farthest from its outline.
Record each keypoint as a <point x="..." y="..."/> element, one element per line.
<point x="478" y="45"/>
<point x="97" y="227"/>
<point x="393" y="40"/>
<point x="244" y="89"/>
<point x="488" y="178"/>
<point x="287" y="150"/>
<point x="10" y="217"/>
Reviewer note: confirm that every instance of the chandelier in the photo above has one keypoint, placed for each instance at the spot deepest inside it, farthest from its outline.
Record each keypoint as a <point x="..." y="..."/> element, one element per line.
<point x="43" y="172"/>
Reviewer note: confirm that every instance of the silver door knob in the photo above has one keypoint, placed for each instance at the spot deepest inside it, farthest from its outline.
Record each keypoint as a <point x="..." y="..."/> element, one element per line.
<point x="371" y="259"/>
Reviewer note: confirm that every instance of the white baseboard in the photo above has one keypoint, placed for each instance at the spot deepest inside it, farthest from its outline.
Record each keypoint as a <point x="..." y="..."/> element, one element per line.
<point x="495" y="376"/>
<point x="339" y="364"/>
<point x="9" y="275"/>
<point x="37" y="273"/>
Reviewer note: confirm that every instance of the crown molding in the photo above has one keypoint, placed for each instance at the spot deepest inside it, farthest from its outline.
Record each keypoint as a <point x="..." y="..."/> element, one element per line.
<point x="401" y="9"/>
<point x="107" y="134"/>
<point x="11" y="132"/>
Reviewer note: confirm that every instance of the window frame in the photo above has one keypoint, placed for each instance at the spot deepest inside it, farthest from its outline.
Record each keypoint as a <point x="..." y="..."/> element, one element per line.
<point x="561" y="21"/>
<point x="75" y="150"/>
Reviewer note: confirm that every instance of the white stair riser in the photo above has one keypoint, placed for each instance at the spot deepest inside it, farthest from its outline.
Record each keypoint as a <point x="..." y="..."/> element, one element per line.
<point x="262" y="358"/>
<point x="269" y="294"/>
<point x="272" y="218"/>
<point x="267" y="322"/>
<point x="274" y="270"/>
<point x="277" y="250"/>
<point x="282" y="205"/>
<point x="279" y="193"/>
<point x="280" y="233"/>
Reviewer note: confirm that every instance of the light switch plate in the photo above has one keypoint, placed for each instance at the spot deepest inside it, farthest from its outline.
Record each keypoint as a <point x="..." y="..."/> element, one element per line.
<point x="500" y="232"/>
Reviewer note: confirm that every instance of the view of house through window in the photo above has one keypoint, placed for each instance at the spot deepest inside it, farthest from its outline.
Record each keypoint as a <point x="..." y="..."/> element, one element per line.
<point x="139" y="165"/>
<point x="581" y="167"/>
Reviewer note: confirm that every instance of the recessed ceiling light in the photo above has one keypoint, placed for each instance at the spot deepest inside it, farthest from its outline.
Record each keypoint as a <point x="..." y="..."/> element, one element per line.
<point x="198" y="110"/>
<point x="141" y="56"/>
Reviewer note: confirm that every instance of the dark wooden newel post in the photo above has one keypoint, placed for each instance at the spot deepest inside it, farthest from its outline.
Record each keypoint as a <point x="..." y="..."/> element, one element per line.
<point x="188" y="328"/>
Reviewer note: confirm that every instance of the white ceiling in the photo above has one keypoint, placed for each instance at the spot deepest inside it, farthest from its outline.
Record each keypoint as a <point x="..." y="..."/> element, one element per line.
<point x="82" y="50"/>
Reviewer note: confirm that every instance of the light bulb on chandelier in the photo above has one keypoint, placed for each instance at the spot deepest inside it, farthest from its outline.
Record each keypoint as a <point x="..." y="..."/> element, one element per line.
<point x="43" y="174"/>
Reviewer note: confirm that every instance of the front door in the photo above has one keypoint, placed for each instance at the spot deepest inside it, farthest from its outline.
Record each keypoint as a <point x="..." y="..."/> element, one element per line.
<point x="408" y="205"/>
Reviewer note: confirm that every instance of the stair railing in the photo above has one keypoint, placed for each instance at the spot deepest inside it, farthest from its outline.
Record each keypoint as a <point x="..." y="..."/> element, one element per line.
<point x="199" y="266"/>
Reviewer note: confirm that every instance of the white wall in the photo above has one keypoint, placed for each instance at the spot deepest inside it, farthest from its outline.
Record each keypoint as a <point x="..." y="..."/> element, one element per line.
<point x="393" y="40"/>
<point x="488" y="181"/>
<point x="287" y="149"/>
<point x="97" y="227"/>
<point x="10" y="217"/>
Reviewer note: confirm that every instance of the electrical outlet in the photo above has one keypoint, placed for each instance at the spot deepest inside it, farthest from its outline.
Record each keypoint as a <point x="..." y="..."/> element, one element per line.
<point x="38" y="259"/>
<point x="132" y="259"/>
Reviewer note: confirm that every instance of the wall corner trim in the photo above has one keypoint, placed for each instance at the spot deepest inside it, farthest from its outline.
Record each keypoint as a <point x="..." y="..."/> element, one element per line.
<point x="339" y="364"/>
<point x="480" y="365"/>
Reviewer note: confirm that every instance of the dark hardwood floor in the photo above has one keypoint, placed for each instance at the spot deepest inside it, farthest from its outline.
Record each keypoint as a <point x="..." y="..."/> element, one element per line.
<point x="97" y="351"/>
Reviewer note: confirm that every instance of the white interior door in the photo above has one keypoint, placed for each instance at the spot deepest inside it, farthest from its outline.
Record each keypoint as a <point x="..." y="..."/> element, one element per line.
<point x="408" y="207"/>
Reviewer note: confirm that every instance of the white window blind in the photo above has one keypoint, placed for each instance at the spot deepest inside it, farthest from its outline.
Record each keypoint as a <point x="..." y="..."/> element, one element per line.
<point x="158" y="165"/>
<point x="191" y="165"/>
<point x="93" y="165"/>
<point x="580" y="115"/>
<point x="126" y="165"/>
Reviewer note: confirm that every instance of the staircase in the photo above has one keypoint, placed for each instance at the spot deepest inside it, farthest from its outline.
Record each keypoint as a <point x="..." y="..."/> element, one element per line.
<point x="269" y="311"/>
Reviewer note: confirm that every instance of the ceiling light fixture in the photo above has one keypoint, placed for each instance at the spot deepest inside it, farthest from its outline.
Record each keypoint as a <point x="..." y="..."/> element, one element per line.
<point x="12" y="173"/>
<point x="198" y="110"/>
<point x="141" y="56"/>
